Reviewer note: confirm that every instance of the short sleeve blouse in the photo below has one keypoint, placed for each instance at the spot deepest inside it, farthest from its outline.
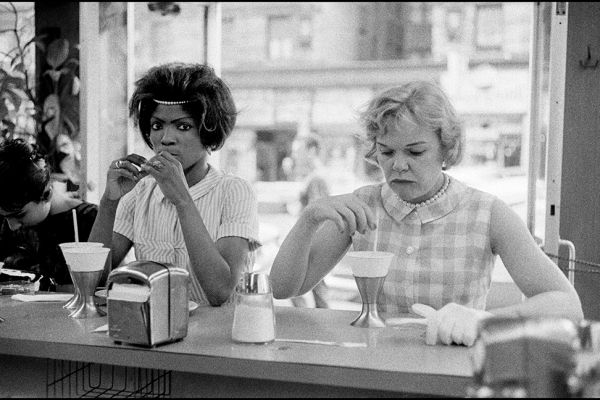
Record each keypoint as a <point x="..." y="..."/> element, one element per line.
<point x="227" y="205"/>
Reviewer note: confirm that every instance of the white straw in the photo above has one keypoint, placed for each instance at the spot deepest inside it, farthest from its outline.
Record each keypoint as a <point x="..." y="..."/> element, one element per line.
<point x="377" y="228"/>
<point x="75" y="228"/>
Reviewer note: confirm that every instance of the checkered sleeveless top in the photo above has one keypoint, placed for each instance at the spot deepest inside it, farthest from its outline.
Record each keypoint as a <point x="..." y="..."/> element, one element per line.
<point x="442" y="250"/>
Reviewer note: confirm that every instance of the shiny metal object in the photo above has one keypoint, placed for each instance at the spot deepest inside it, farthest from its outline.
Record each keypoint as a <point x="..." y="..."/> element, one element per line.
<point x="254" y="314"/>
<point x="85" y="284"/>
<point x="324" y="342"/>
<point x="162" y="317"/>
<point x="75" y="301"/>
<point x="369" y="289"/>
<point x="525" y="357"/>
<point x="254" y="283"/>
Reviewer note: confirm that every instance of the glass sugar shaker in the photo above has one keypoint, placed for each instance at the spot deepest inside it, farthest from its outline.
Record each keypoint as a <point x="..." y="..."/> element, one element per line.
<point x="254" y="314"/>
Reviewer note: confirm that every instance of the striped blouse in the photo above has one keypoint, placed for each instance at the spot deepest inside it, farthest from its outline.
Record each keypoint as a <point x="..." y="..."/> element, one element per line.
<point x="442" y="250"/>
<point x="227" y="205"/>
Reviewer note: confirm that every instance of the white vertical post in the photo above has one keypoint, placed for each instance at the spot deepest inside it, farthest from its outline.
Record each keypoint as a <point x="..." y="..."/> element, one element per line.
<point x="213" y="28"/>
<point x="131" y="133"/>
<point x="89" y="68"/>
<point x="558" y="56"/>
<point x="212" y="45"/>
<point x="535" y="73"/>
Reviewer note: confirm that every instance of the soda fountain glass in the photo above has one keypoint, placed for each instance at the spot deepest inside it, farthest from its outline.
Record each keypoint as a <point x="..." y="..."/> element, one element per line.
<point x="87" y="266"/>
<point x="369" y="269"/>
<point x="75" y="301"/>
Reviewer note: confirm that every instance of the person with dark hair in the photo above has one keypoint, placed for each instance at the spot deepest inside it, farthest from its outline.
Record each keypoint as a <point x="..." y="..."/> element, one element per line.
<point x="35" y="218"/>
<point x="445" y="235"/>
<point x="176" y="207"/>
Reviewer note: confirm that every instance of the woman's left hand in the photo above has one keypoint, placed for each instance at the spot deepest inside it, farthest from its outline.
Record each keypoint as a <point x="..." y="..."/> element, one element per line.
<point x="168" y="172"/>
<point x="452" y="323"/>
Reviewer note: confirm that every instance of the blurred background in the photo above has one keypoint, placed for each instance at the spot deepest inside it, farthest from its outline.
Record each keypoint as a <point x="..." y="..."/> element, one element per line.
<point x="299" y="71"/>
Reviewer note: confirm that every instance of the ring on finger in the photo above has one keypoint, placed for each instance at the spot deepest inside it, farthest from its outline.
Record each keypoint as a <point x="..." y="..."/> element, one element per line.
<point x="157" y="164"/>
<point x="118" y="164"/>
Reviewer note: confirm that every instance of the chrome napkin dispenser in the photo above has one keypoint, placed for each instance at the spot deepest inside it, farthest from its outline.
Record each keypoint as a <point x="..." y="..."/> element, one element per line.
<point x="147" y="303"/>
<point x="525" y="357"/>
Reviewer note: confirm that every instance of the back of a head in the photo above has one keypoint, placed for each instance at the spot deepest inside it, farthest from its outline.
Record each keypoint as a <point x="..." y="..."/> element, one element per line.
<point x="200" y="92"/>
<point x="24" y="175"/>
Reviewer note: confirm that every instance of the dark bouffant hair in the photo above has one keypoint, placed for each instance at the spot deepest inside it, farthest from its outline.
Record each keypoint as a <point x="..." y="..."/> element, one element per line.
<point x="211" y="105"/>
<point x="24" y="175"/>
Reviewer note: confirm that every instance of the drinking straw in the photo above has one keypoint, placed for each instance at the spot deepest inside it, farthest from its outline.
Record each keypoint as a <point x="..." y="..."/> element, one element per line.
<point x="377" y="228"/>
<point x="75" y="228"/>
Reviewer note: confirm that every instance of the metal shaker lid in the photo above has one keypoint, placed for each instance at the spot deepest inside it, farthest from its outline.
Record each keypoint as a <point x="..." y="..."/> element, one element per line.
<point x="253" y="283"/>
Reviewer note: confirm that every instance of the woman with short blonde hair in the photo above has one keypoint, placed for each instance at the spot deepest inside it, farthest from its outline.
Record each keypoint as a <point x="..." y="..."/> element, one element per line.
<point x="445" y="235"/>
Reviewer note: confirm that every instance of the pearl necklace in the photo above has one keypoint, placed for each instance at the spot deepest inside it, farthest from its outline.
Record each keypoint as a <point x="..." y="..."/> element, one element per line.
<point x="439" y="194"/>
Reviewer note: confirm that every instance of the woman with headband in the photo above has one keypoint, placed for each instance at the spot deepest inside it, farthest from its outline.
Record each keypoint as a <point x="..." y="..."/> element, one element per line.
<point x="34" y="218"/>
<point x="176" y="207"/>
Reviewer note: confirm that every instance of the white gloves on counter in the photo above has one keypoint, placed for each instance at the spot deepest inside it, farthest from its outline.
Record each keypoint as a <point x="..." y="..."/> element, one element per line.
<point x="452" y="323"/>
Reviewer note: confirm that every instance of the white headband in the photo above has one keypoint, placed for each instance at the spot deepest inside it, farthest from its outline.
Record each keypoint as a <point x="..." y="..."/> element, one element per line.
<point x="172" y="103"/>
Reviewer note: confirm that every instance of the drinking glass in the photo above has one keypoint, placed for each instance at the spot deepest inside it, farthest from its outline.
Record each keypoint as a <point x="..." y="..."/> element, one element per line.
<point x="254" y="316"/>
<point x="75" y="301"/>
<point x="86" y="265"/>
<point x="369" y="269"/>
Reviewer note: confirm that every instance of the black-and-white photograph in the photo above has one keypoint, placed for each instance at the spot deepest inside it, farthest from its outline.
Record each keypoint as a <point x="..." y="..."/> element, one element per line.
<point x="299" y="199"/>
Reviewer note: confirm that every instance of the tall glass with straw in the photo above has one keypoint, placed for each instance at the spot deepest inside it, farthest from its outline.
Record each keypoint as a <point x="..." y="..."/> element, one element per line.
<point x="86" y="265"/>
<point x="369" y="269"/>
<point x="75" y="301"/>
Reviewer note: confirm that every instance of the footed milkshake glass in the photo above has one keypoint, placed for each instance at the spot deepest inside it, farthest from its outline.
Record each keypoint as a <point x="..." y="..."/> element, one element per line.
<point x="75" y="301"/>
<point x="369" y="269"/>
<point x="86" y="265"/>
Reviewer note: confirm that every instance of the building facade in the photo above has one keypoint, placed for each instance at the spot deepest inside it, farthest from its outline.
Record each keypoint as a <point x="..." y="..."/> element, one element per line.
<point x="301" y="70"/>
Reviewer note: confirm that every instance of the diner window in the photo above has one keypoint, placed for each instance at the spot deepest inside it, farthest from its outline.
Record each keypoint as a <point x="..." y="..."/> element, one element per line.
<point x="128" y="38"/>
<point x="280" y="37"/>
<point x="488" y="26"/>
<point x="299" y="115"/>
<point x="454" y="25"/>
<point x="305" y="36"/>
<point x="301" y="72"/>
<point x="418" y="32"/>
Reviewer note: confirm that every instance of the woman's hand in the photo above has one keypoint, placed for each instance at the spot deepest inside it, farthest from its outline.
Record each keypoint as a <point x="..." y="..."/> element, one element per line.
<point x="452" y="323"/>
<point x="123" y="175"/>
<point x="349" y="213"/>
<point x="168" y="172"/>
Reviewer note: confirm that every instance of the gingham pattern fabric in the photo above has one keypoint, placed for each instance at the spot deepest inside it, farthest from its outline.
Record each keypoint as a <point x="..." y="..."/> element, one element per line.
<point x="227" y="205"/>
<point x="442" y="250"/>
